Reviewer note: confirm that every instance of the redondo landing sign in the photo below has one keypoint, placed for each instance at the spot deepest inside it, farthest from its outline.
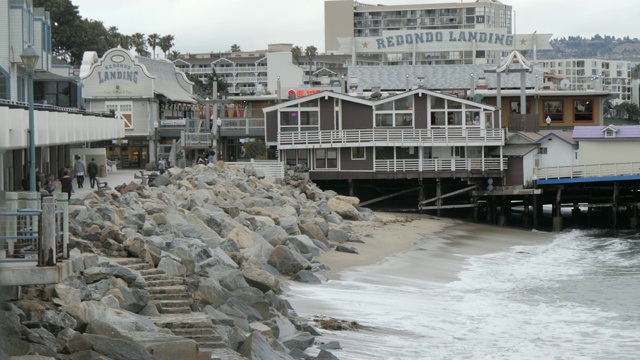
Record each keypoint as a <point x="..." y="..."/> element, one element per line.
<point x="444" y="40"/>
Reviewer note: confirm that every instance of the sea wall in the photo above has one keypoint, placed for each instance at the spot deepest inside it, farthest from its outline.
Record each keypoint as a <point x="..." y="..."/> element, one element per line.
<point x="191" y="266"/>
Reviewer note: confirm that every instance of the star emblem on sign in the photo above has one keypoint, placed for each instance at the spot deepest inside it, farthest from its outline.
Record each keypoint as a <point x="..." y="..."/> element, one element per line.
<point x="365" y="44"/>
<point x="523" y="42"/>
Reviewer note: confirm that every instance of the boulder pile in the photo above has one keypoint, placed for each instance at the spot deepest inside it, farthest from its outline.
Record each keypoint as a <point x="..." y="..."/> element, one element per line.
<point x="192" y="266"/>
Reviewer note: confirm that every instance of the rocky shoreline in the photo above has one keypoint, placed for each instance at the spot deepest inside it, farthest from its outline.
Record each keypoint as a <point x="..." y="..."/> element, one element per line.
<point x="191" y="267"/>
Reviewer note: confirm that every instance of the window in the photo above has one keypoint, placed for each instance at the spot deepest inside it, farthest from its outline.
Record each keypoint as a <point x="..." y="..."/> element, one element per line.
<point x="123" y="111"/>
<point x="609" y="133"/>
<point x="583" y="110"/>
<point x="394" y="113"/>
<point x="542" y="151"/>
<point x="297" y="157"/>
<point x="358" y="153"/>
<point x="326" y="159"/>
<point x="4" y="87"/>
<point x="514" y="107"/>
<point x="298" y="120"/>
<point x="553" y="110"/>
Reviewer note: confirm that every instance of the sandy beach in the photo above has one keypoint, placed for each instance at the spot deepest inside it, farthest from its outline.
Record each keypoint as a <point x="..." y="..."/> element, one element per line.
<point x="447" y="242"/>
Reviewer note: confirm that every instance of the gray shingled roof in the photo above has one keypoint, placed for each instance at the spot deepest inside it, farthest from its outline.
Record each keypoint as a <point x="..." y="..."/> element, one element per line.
<point x="166" y="82"/>
<point x="436" y="77"/>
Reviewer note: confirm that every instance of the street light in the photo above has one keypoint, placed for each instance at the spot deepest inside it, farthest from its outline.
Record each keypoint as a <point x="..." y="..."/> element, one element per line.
<point x="548" y="121"/>
<point x="30" y="58"/>
<point x="156" y="143"/>
<point x="219" y="124"/>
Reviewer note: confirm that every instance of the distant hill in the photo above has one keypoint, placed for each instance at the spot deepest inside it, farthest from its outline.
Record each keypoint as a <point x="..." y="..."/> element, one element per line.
<point x="607" y="47"/>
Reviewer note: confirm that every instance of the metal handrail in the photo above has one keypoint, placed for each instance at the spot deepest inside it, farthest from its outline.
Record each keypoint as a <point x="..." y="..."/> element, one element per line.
<point x="586" y="171"/>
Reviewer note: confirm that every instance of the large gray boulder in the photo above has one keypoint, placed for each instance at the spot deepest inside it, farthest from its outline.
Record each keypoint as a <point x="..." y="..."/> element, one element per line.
<point x="261" y="279"/>
<point x="304" y="244"/>
<point x="286" y="261"/>
<point x="257" y="347"/>
<point x="299" y="340"/>
<point x="117" y="348"/>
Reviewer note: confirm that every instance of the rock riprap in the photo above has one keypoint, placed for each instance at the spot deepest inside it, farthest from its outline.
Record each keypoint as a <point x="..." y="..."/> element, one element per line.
<point x="191" y="267"/>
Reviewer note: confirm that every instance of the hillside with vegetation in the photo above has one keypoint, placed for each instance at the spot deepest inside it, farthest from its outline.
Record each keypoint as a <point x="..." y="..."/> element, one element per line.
<point x="606" y="47"/>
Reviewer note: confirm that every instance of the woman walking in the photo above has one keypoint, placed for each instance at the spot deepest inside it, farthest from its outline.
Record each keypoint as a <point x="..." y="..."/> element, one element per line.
<point x="66" y="183"/>
<point x="79" y="170"/>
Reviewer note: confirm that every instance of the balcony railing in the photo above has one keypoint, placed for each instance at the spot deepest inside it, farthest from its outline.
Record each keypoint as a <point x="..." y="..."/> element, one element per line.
<point x="391" y="137"/>
<point x="587" y="171"/>
<point x="34" y="234"/>
<point x="430" y="165"/>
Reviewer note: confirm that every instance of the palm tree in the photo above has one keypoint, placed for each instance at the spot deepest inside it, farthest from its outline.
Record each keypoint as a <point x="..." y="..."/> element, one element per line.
<point x="153" y="40"/>
<point x="166" y="43"/>
<point x="173" y="55"/>
<point x="138" y="43"/>
<point x="235" y="48"/>
<point x="296" y="51"/>
<point x="311" y="52"/>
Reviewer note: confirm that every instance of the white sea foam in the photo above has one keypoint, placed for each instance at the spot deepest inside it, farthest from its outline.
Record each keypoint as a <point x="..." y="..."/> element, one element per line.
<point x="553" y="301"/>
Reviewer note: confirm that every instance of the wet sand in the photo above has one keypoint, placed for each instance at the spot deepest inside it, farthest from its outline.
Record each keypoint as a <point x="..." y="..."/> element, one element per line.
<point x="440" y="247"/>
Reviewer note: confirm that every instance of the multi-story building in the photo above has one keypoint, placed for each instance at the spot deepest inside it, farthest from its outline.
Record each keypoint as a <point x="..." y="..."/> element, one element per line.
<point x="154" y="102"/>
<point x="613" y="76"/>
<point x="260" y="72"/>
<point x="29" y="254"/>
<point x="60" y="122"/>
<point x="435" y="33"/>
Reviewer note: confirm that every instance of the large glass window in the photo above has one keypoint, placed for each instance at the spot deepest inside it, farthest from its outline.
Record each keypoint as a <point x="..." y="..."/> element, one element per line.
<point x="326" y="159"/>
<point x="395" y="113"/>
<point x="553" y="110"/>
<point x="297" y="157"/>
<point x="583" y="110"/>
<point x="298" y="121"/>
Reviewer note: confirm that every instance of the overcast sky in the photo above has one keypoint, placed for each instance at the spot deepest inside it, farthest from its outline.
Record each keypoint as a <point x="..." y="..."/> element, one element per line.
<point x="214" y="25"/>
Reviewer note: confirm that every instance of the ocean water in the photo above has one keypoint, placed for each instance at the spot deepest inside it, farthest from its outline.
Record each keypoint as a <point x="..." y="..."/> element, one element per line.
<point x="575" y="297"/>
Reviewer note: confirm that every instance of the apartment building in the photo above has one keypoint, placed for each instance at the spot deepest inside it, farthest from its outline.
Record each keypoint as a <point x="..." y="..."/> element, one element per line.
<point x="425" y="34"/>
<point x="613" y="76"/>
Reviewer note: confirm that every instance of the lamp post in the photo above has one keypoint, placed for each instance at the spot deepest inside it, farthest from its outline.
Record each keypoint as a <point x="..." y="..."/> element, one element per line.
<point x="218" y="124"/>
<point x="156" y="143"/>
<point x="548" y="121"/>
<point x="30" y="58"/>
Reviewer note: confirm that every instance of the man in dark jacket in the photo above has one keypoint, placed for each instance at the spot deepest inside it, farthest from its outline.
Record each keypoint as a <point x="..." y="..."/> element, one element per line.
<point x="92" y="169"/>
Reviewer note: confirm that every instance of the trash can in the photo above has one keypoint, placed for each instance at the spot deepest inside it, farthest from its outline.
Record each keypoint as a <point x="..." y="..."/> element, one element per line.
<point x="102" y="171"/>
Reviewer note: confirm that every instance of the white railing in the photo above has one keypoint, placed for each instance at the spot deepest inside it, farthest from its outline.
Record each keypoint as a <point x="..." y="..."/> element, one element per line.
<point x="245" y="124"/>
<point x="586" y="171"/>
<point x="197" y="139"/>
<point x="271" y="168"/>
<point x="418" y="137"/>
<point x="430" y="165"/>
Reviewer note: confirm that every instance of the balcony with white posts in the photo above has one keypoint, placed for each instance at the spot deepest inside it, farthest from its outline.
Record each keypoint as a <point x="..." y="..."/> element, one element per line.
<point x="34" y="236"/>
<point x="440" y="165"/>
<point x="392" y="137"/>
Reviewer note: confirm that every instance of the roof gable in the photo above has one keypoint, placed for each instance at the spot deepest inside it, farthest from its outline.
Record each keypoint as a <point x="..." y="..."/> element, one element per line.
<point x="625" y="132"/>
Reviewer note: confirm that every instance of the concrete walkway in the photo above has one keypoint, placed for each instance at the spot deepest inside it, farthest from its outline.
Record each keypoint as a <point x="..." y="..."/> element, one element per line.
<point x="114" y="178"/>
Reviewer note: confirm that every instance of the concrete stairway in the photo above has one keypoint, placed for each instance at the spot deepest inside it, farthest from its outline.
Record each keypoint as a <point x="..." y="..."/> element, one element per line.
<point x="170" y="296"/>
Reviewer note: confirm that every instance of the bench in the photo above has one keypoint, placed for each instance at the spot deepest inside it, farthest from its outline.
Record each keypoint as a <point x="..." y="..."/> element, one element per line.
<point x="142" y="176"/>
<point x="102" y="185"/>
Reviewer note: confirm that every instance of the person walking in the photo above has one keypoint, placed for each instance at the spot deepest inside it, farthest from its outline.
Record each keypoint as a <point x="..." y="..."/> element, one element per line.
<point x="92" y="170"/>
<point x="79" y="169"/>
<point x="211" y="155"/>
<point x="66" y="183"/>
<point x="161" y="166"/>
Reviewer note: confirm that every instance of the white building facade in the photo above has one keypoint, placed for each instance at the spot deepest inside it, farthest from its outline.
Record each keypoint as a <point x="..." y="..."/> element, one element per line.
<point x="613" y="76"/>
<point x="424" y="34"/>
<point x="60" y="125"/>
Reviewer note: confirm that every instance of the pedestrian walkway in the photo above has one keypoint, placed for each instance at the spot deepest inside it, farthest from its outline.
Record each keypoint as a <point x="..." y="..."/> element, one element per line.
<point x="114" y="178"/>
